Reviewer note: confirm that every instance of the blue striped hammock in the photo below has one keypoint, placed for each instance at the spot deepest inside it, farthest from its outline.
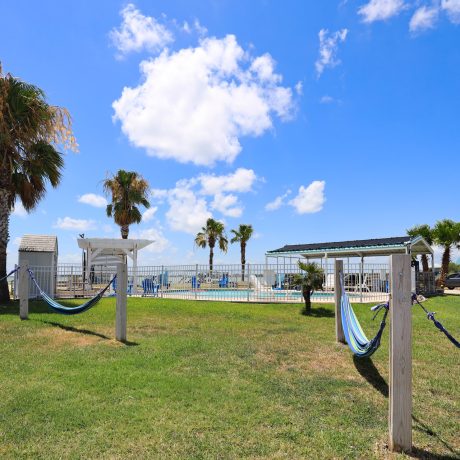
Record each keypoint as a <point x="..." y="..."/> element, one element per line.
<point x="356" y="339"/>
<point x="61" y="309"/>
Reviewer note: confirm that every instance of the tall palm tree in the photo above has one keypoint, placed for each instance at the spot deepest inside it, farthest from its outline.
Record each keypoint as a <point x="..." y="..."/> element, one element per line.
<point x="446" y="233"/>
<point x="309" y="281"/>
<point x="31" y="131"/>
<point x="128" y="190"/>
<point x="242" y="236"/>
<point x="212" y="233"/>
<point x="427" y="233"/>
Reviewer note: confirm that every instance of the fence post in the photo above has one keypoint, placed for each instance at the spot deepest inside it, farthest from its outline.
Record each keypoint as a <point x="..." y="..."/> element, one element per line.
<point x="196" y="281"/>
<point x="400" y="417"/>
<point x="338" y="270"/>
<point x="24" y="290"/>
<point x="121" y="314"/>
<point x="248" y="271"/>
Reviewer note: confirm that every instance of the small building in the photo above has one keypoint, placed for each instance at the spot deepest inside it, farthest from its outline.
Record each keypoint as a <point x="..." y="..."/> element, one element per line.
<point x="41" y="253"/>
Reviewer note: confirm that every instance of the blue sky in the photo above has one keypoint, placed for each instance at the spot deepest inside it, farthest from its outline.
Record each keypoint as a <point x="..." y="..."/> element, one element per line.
<point x="313" y="121"/>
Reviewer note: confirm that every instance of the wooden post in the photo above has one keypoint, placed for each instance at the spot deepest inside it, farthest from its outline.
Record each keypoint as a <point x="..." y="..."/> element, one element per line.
<point x="400" y="420"/>
<point x="24" y="290"/>
<point x="121" y="313"/>
<point x="338" y="270"/>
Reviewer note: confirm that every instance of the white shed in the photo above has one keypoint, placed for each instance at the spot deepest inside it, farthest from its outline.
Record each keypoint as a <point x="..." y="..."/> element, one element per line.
<point x="41" y="252"/>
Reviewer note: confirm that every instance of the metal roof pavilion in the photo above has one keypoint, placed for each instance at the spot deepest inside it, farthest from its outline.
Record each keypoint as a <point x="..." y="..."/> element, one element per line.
<point x="356" y="248"/>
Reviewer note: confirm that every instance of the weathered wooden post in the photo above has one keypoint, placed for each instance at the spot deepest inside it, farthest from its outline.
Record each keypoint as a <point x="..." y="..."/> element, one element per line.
<point x="338" y="271"/>
<point x="121" y="313"/>
<point x="24" y="290"/>
<point x="400" y="419"/>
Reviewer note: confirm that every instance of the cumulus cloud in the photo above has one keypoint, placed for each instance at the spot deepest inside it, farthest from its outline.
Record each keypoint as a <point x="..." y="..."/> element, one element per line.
<point x="327" y="100"/>
<point x="227" y="205"/>
<point x="19" y="210"/>
<point x="195" y="104"/>
<point x="138" y="32"/>
<point x="68" y="223"/>
<point x="149" y="214"/>
<point x="452" y="8"/>
<point x="328" y="46"/>
<point x="309" y="199"/>
<point x="424" y="18"/>
<point x="277" y="202"/>
<point x="380" y="10"/>
<point x="92" y="199"/>
<point x="187" y="212"/>
<point x="240" y="181"/>
<point x="160" y="242"/>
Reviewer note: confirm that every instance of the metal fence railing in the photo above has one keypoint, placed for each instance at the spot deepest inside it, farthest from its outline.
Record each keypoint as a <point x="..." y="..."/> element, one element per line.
<point x="251" y="283"/>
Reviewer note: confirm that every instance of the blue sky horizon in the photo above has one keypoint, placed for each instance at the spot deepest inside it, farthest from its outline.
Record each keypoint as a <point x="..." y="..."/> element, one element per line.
<point x="312" y="121"/>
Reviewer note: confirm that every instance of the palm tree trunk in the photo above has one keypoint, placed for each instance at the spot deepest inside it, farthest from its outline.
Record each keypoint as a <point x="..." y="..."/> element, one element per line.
<point x="425" y="265"/>
<point x="307" y="297"/>
<point x="445" y="265"/>
<point x="124" y="231"/>
<point x="211" y="257"/>
<point x="4" y="238"/>
<point x="243" y="260"/>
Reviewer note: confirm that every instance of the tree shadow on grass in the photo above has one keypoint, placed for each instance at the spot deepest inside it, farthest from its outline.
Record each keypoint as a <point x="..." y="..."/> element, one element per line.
<point x="367" y="369"/>
<point x="87" y="332"/>
<point x="319" y="312"/>
<point x="12" y="308"/>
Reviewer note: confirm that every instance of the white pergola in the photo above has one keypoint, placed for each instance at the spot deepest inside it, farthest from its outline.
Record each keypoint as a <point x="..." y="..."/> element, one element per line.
<point x="110" y="251"/>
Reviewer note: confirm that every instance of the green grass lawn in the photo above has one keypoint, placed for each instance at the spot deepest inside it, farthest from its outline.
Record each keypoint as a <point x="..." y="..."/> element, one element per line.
<point x="215" y="380"/>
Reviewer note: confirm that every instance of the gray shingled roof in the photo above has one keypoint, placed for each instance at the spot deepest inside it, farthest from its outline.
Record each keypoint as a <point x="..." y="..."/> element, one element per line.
<point x="354" y="244"/>
<point x="38" y="243"/>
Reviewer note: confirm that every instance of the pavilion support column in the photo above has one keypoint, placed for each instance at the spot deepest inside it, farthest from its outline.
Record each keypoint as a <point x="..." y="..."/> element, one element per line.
<point x="121" y="309"/>
<point x="400" y="414"/>
<point x="338" y="272"/>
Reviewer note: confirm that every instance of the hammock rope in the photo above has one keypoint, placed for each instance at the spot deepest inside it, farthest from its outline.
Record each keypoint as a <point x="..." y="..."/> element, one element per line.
<point x="430" y="315"/>
<point x="61" y="309"/>
<point x="12" y="272"/>
<point x="356" y="339"/>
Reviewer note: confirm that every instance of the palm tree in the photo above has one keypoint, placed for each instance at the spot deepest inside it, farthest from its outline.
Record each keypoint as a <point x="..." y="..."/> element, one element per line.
<point x="426" y="232"/>
<point x="310" y="281"/>
<point x="128" y="189"/>
<point x="242" y="235"/>
<point x="212" y="233"/>
<point x="446" y="233"/>
<point x="31" y="131"/>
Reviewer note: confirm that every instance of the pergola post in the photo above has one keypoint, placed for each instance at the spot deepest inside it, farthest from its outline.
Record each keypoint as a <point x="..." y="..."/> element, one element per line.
<point x="121" y="310"/>
<point x="338" y="271"/>
<point x="24" y="290"/>
<point x="400" y="416"/>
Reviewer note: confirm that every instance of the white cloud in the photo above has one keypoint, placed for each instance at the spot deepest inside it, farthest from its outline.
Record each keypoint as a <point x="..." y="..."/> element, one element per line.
<point x="160" y="242"/>
<point x="423" y="18"/>
<point x="380" y="10"/>
<point x="70" y="258"/>
<point x="138" y="32"/>
<point x="195" y="104"/>
<point x="277" y="202"/>
<point x="149" y="213"/>
<point x="326" y="100"/>
<point x="227" y="204"/>
<point x="68" y="223"/>
<point x="240" y="181"/>
<point x="187" y="213"/>
<point x="16" y="241"/>
<point x="19" y="210"/>
<point x="299" y="88"/>
<point x="309" y="199"/>
<point x="92" y="199"/>
<point x="452" y="8"/>
<point x="328" y="45"/>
